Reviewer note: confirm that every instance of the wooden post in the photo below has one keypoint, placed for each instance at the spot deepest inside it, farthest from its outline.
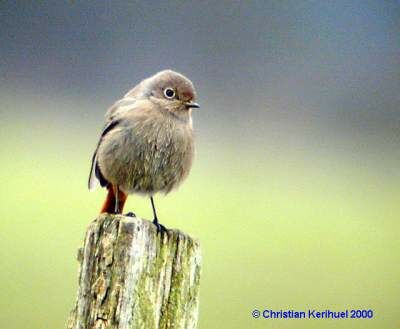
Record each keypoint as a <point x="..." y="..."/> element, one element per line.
<point x="130" y="277"/>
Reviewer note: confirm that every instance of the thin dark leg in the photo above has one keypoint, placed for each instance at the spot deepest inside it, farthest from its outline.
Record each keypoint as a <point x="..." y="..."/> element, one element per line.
<point x="160" y="227"/>
<point x="116" y="200"/>
<point x="154" y="210"/>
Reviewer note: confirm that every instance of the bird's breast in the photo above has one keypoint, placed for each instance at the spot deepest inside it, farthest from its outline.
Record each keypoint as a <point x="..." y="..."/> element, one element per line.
<point x="149" y="156"/>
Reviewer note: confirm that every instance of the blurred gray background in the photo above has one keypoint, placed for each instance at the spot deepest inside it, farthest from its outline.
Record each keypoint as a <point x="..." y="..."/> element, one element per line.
<point x="331" y="66"/>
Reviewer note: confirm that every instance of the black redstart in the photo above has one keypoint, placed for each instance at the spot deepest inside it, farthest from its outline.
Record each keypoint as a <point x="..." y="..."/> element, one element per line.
<point x="147" y="143"/>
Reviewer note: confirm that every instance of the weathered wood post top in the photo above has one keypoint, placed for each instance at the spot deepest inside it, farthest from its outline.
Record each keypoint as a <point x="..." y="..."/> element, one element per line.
<point x="132" y="277"/>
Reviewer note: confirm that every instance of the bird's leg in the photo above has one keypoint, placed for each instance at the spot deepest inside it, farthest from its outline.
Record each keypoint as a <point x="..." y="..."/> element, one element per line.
<point x="154" y="210"/>
<point x="160" y="228"/>
<point x="120" y="198"/>
<point x="116" y="200"/>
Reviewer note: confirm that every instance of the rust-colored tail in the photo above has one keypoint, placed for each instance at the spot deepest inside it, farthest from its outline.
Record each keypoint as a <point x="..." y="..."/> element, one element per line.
<point x="109" y="203"/>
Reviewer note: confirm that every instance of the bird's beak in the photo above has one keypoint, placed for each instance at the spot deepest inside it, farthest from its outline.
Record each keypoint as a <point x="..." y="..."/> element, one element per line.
<point x="192" y="105"/>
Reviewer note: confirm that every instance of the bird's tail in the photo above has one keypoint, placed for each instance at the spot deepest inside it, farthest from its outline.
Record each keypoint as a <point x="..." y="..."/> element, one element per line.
<point x="109" y="205"/>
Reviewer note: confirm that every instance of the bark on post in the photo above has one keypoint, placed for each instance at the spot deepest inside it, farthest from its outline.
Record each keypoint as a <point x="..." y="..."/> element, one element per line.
<point x="131" y="277"/>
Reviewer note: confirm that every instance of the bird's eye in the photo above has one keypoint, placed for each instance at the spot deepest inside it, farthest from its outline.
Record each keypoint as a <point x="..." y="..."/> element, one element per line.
<point x="169" y="93"/>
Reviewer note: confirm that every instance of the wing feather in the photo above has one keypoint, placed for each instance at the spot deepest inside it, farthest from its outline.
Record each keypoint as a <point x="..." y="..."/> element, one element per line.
<point x="95" y="175"/>
<point x="113" y="118"/>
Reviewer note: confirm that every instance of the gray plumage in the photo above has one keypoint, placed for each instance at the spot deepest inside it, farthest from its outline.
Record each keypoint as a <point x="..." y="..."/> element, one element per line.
<point x="147" y="143"/>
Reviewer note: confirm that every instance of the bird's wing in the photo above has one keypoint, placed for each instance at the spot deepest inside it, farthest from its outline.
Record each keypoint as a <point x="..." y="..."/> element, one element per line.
<point x="119" y="107"/>
<point x="113" y="117"/>
<point x="95" y="175"/>
<point x="127" y="102"/>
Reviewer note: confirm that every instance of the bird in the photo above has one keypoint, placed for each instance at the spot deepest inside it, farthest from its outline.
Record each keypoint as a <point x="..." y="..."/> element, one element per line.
<point x="147" y="143"/>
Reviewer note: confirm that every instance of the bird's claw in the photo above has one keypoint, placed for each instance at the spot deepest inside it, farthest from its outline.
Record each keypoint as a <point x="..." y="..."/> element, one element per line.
<point x="130" y="214"/>
<point x="160" y="228"/>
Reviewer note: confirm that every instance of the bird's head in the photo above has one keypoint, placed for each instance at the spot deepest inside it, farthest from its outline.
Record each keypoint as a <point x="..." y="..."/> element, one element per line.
<point x="173" y="92"/>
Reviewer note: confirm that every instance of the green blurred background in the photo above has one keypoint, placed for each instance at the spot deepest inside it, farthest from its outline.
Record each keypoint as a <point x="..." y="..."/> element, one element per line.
<point x="294" y="193"/>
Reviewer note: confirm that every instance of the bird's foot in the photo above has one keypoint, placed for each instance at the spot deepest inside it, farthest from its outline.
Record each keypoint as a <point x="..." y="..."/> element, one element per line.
<point x="130" y="214"/>
<point x="160" y="228"/>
